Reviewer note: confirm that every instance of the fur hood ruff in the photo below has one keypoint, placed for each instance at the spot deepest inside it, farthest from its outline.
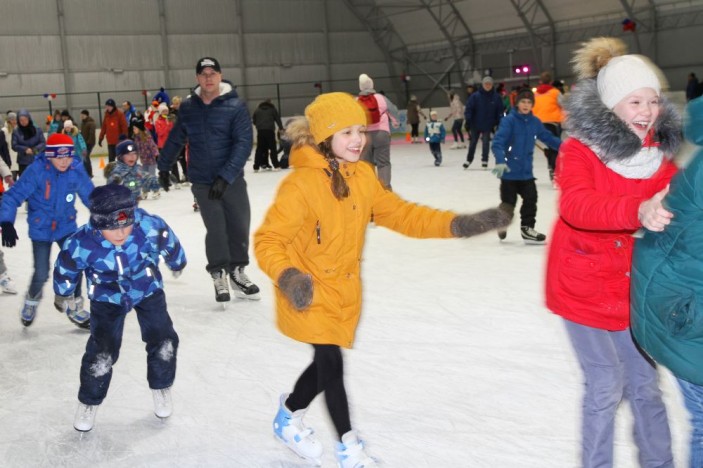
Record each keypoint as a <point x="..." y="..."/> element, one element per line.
<point x="591" y="122"/>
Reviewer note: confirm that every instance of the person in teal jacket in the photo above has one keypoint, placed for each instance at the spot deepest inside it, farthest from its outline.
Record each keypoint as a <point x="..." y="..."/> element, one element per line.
<point x="667" y="285"/>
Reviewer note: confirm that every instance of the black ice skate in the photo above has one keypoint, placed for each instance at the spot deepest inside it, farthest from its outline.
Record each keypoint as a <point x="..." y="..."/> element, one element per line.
<point x="242" y="286"/>
<point x="530" y="236"/>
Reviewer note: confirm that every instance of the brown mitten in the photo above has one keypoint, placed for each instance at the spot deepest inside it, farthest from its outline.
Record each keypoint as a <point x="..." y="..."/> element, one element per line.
<point x="469" y="225"/>
<point x="297" y="287"/>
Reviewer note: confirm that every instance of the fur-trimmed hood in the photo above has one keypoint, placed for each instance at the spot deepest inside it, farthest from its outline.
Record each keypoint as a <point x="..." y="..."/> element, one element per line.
<point x="591" y="122"/>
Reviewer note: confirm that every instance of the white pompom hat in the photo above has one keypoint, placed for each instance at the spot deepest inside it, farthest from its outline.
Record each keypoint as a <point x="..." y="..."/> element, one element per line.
<point x="625" y="74"/>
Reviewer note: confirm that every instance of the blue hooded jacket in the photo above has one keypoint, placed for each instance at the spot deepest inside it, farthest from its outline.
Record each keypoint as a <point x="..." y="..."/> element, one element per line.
<point x="219" y="137"/>
<point x="514" y="144"/>
<point x="51" y="198"/>
<point x="667" y="271"/>
<point x="125" y="274"/>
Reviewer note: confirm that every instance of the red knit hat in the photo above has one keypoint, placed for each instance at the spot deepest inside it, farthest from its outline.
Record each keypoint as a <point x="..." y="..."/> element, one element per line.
<point x="59" y="145"/>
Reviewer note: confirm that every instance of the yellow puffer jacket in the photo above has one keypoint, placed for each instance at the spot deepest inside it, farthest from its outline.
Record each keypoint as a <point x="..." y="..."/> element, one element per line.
<point x="309" y="229"/>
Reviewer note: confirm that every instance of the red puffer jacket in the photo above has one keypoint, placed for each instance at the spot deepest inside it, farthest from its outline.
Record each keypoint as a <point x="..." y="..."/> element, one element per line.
<point x="588" y="267"/>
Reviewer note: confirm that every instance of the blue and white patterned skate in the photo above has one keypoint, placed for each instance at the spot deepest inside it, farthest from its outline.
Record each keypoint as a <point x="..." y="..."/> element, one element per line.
<point x="288" y="427"/>
<point x="350" y="453"/>
<point x="29" y="311"/>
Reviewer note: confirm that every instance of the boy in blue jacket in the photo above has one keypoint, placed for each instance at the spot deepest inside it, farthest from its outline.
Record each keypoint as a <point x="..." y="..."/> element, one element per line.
<point x="513" y="146"/>
<point x="119" y="250"/>
<point x="49" y="185"/>
<point x="435" y="134"/>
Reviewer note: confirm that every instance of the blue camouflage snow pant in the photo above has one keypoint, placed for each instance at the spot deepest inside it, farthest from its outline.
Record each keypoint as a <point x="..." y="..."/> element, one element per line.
<point x="103" y="348"/>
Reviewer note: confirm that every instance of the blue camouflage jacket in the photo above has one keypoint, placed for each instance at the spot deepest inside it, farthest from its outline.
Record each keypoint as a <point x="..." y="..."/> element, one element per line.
<point x="135" y="178"/>
<point x="51" y="198"/>
<point x="125" y="274"/>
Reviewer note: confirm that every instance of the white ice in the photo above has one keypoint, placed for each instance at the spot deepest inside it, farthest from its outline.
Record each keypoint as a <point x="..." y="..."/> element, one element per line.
<point x="457" y="362"/>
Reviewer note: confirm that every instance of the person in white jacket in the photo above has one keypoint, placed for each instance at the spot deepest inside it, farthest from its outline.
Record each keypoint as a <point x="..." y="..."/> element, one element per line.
<point x="7" y="286"/>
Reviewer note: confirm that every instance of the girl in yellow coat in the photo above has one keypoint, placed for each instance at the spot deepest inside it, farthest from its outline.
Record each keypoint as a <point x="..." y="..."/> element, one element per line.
<point x="310" y="244"/>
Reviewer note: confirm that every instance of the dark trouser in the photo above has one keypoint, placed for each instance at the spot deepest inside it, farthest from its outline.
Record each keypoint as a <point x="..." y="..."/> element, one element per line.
<point x="265" y="146"/>
<point x="111" y="155"/>
<point x="184" y="164"/>
<point x="485" y="144"/>
<point x="42" y="252"/>
<point x="174" y="167"/>
<point x="456" y="130"/>
<point x="527" y="189"/>
<point x="414" y="130"/>
<point x="22" y="167"/>
<point x="378" y="152"/>
<point x="615" y="369"/>
<point x="325" y="374"/>
<point x="551" y="154"/>
<point x="227" y="225"/>
<point x="87" y="163"/>
<point x="103" y="348"/>
<point x="436" y="150"/>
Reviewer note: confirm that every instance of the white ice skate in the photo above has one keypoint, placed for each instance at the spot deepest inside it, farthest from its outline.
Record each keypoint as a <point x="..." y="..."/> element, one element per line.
<point x="288" y="427"/>
<point x="454" y="146"/>
<point x="85" y="417"/>
<point x="7" y="286"/>
<point x="163" y="404"/>
<point x="350" y="453"/>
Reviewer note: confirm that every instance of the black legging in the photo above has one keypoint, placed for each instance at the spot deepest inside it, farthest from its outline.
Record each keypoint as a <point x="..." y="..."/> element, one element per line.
<point x="325" y="374"/>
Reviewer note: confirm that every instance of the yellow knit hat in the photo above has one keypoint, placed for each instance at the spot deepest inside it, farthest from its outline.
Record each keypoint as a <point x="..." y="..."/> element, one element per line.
<point x="332" y="112"/>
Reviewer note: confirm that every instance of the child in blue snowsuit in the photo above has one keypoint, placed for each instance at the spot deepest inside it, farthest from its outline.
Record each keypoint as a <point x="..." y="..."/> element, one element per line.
<point x="119" y="251"/>
<point x="49" y="185"/>
<point x="129" y="173"/>
<point x="435" y="134"/>
<point x="513" y="146"/>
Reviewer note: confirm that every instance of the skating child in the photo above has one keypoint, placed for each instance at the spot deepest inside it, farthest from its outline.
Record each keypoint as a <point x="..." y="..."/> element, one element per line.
<point x="612" y="172"/>
<point x="146" y="148"/>
<point x="310" y="244"/>
<point x="435" y="134"/>
<point x="513" y="146"/>
<point x="119" y="251"/>
<point x="130" y="174"/>
<point x="49" y="185"/>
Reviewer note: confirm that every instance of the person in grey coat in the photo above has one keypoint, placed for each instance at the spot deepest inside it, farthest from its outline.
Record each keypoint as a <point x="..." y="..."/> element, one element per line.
<point x="27" y="140"/>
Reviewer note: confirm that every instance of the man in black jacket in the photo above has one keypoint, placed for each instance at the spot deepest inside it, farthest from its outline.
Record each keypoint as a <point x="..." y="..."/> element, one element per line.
<point x="265" y="119"/>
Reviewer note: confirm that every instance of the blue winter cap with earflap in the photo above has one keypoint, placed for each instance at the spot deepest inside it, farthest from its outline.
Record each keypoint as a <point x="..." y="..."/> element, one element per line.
<point x="111" y="207"/>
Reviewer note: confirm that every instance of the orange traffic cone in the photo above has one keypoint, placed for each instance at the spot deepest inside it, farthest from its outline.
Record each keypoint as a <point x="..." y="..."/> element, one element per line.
<point x="407" y="137"/>
<point x="102" y="163"/>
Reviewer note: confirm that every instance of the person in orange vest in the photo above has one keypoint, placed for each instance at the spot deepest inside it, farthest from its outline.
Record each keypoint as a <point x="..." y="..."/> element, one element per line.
<point x="547" y="109"/>
<point x="114" y="125"/>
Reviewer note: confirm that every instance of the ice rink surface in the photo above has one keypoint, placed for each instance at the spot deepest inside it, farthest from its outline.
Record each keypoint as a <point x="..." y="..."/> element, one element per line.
<point x="457" y="362"/>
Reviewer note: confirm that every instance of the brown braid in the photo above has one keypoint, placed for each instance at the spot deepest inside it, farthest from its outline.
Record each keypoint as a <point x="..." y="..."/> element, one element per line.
<point x="340" y="189"/>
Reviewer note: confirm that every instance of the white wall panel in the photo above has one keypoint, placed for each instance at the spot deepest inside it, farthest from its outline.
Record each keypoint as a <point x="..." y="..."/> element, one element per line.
<point x="186" y="49"/>
<point x="22" y="17"/>
<point x="284" y="48"/>
<point x="123" y="52"/>
<point x="275" y="16"/>
<point x="110" y="17"/>
<point x="200" y="16"/>
<point x="30" y="54"/>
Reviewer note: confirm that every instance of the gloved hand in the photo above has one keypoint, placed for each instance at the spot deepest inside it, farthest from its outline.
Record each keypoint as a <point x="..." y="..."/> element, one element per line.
<point x="8" y="180"/>
<point x="65" y="303"/>
<point x="217" y="189"/>
<point x="100" y="142"/>
<point x="176" y="273"/>
<point x="297" y="287"/>
<point x="500" y="169"/>
<point x="165" y="180"/>
<point x="469" y="225"/>
<point x="9" y="235"/>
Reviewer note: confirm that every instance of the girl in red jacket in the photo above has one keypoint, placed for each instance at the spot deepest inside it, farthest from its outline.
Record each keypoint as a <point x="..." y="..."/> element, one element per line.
<point x="613" y="173"/>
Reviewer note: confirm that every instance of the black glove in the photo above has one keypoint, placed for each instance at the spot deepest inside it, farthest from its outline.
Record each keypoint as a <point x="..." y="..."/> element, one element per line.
<point x="9" y="235"/>
<point x="472" y="224"/>
<point x="297" y="287"/>
<point x="165" y="180"/>
<point x="217" y="189"/>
